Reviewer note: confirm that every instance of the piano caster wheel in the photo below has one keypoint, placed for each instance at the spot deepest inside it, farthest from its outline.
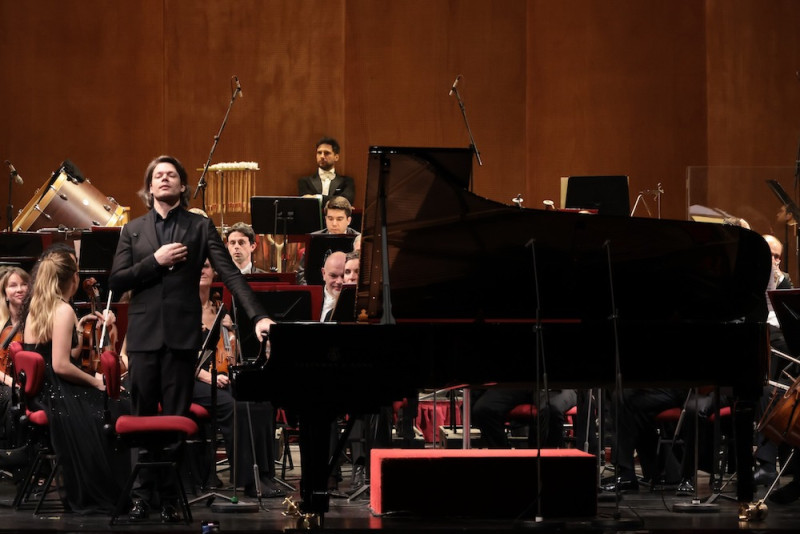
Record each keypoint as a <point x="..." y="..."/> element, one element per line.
<point x="753" y="511"/>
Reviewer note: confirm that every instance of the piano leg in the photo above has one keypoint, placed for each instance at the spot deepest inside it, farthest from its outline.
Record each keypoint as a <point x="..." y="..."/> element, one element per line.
<point x="314" y="441"/>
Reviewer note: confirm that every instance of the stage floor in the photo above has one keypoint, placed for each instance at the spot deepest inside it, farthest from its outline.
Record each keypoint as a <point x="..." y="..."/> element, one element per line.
<point x="653" y="510"/>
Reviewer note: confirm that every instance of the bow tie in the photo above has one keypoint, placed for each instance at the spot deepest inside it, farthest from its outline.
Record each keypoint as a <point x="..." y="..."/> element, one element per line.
<point x="326" y="175"/>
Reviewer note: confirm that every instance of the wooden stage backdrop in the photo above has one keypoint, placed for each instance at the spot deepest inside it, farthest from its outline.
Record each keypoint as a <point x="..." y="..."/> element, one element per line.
<point x="551" y="88"/>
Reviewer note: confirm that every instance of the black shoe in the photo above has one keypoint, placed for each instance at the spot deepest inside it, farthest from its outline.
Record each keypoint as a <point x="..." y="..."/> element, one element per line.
<point x="685" y="488"/>
<point x="270" y="490"/>
<point x="787" y="494"/>
<point x="169" y="514"/>
<point x="625" y="485"/>
<point x="139" y="511"/>
<point x="765" y="475"/>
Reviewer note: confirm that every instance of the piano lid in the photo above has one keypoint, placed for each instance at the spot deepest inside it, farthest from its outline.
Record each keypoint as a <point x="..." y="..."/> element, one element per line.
<point x="455" y="255"/>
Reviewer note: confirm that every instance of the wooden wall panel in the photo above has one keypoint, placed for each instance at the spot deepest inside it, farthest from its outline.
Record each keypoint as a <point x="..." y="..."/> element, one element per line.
<point x="289" y="57"/>
<point x="82" y="80"/>
<point x="615" y="87"/>
<point x="402" y="59"/>
<point x="754" y="105"/>
<point x="551" y="88"/>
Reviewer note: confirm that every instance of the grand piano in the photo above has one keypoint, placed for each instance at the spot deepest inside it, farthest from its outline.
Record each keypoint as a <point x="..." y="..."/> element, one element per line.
<point x="462" y="290"/>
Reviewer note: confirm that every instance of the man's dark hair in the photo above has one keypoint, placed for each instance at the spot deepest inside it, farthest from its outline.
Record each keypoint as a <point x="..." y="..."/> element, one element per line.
<point x="339" y="203"/>
<point x="144" y="192"/>
<point x="329" y="141"/>
<point x="244" y="229"/>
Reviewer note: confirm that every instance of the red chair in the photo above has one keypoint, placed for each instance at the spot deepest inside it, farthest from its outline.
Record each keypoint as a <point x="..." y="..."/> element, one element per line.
<point x="29" y="369"/>
<point x="524" y="414"/>
<point x="150" y="432"/>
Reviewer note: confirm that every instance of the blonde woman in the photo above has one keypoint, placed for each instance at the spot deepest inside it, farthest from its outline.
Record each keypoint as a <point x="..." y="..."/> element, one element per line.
<point x="93" y="471"/>
<point x="14" y="285"/>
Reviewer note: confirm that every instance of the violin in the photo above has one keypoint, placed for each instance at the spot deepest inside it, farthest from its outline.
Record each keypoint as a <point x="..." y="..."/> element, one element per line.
<point x="90" y="355"/>
<point x="9" y="334"/>
<point x="226" y="346"/>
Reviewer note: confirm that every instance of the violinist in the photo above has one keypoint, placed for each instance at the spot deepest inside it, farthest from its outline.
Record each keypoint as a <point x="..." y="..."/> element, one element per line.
<point x="15" y="283"/>
<point x="260" y="414"/>
<point x="92" y="470"/>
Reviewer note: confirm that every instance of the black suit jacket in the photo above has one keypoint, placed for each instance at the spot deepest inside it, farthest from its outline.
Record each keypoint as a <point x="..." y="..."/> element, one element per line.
<point x="312" y="185"/>
<point x="165" y="304"/>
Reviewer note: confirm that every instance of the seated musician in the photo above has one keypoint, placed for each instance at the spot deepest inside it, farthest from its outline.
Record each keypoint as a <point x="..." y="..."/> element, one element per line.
<point x="767" y="452"/>
<point x="337" y="214"/>
<point x="637" y="431"/>
<point x="14" y="285"/>
<point x="241" y="242"/>
<point x="490" y="409"/>
<point x="258" y="416"/>
<point x="73" y="398"/>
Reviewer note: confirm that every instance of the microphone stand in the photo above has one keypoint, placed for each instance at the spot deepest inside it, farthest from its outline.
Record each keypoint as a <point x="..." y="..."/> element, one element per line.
<point x="10" y="206"/>
<point x="201" y="184"/>
<point x="616" y="521"/>
<point x="472" y="144"/>
<point x="540" y="391"/>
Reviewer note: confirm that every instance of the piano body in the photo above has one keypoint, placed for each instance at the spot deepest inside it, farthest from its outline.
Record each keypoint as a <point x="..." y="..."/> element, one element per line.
<point x="459" y="289"/>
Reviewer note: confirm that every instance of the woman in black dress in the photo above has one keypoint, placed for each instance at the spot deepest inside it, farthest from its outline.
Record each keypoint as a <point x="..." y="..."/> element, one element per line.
<point x="93" y="472"/>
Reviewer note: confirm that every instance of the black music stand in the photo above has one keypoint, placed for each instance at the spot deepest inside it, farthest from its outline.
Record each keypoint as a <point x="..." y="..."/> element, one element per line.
<point x="320" y="246"/>
<point x="208" y="353"/>
<point x="607" y="194"/>
<point x="286" y="216"/>
<point x="344" y="311"/>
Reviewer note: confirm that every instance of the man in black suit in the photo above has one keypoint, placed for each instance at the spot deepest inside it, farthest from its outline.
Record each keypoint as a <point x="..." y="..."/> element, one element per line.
<point x="159" y="259"/>
<point x="325" y="181"/>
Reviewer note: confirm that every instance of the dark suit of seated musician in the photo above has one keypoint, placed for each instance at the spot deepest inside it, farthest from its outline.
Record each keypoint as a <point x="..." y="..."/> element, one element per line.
<point x="490" y="409"/>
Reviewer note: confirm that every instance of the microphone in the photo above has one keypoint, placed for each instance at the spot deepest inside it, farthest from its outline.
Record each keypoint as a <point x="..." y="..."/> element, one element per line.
<point x="453" y="89"/>
<point x="238" y="86"/>
<point x="14" y="174"/>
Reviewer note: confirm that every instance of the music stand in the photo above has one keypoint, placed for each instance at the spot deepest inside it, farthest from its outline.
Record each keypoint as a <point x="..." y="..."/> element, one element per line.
<point x="607" y="194"/>
<point x="286" y="303"/>
<point x="286" y="216"/>
<point x="344" y="311"/>
<point x="320" y="246"/>
<point x="97" y="250"/>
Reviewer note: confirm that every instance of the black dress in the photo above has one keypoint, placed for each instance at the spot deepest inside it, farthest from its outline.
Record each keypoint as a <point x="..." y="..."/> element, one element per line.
<point x="93" y="471"/>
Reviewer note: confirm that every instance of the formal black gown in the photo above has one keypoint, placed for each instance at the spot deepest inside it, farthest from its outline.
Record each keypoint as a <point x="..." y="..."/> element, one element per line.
<point x="93" y="471"/>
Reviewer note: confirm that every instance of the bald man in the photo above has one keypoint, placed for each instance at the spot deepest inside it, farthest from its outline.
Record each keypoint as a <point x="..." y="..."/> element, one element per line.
<point x="333" y="276"/>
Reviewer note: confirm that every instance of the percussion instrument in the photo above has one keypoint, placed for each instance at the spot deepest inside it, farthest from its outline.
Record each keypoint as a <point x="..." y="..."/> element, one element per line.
<point x="71" y="203"/>
<point x="230" y="186"/>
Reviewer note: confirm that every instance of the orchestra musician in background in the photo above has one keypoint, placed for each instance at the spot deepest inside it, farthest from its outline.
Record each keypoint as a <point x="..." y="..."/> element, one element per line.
<point x="241" y="242"/>
<point x="160" y="257"/>
<point x="490" y="408"/>
<point x="767" y="452"/>
<point x="338" y="213"/>
<point x="256" y="416"/>
<point x="325" y="181"/>
<point x="14" y="287"/>
<point x="73" y="398"/>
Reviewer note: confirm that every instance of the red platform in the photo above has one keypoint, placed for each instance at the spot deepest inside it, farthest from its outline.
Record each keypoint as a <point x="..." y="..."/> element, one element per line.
<point x="482" y="482"/>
